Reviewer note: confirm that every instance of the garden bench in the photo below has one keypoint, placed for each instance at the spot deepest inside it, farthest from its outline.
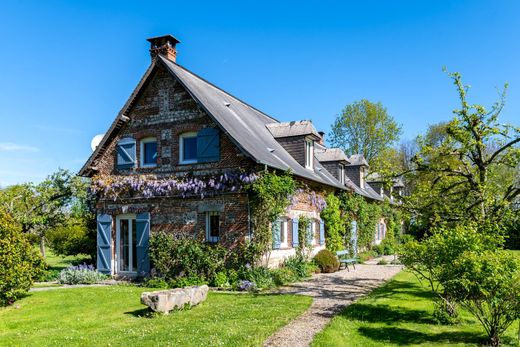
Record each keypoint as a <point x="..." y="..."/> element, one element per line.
<point x="351" y="261"/>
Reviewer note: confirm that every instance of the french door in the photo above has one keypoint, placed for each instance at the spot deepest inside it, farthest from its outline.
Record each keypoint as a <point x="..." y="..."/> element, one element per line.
<point x="126" y="244"/>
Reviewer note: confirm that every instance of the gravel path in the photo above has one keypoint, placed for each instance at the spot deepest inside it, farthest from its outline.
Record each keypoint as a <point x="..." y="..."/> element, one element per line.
<point x="332" y="293"/>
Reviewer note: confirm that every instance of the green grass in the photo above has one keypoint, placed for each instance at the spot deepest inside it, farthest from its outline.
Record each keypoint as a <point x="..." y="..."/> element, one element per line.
<point x="102" y="316"/>
<point x="400" y="314"/>
<point x="56" y="262"/>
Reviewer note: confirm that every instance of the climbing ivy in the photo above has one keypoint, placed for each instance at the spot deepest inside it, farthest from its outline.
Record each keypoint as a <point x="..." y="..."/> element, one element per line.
<point x="270" y="195"/>
<point x="335" y="227"/>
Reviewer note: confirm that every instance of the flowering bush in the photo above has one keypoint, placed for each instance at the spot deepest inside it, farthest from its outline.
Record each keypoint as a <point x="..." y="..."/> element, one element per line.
<point x="148" y="186"/>
<point x="301" y="195"/>
<point x="245" y="285"/>
<point x="80" y="274"/>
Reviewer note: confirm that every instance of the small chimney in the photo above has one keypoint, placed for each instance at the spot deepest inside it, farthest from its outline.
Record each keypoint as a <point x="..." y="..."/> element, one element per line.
<point x="322" y="137"/>
<point x="163" y="45"/>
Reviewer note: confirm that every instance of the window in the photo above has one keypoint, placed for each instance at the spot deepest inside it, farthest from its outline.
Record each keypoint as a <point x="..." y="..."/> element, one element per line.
<point x="309" y="154"/>
<point x="126" y="240"/>
<point x="212" y="226"/>
<point x="362" y="177"/>
<point x="188" y="148"/>
<point x="149" y="152"/>
<point x="283" y="232"/>
<point x="313" y="232"/>
<point x="341" y="174"/>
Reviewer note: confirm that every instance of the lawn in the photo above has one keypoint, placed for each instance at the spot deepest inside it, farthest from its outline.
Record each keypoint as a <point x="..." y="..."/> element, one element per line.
<point x="397" y="314"/>
<point x="102" y="316"/>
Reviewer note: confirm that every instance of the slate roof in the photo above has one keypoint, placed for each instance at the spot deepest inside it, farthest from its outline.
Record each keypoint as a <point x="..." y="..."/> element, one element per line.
<point x="330" y="154"/>
<point x="295" y="128"/>
<point x="358" y="159"/>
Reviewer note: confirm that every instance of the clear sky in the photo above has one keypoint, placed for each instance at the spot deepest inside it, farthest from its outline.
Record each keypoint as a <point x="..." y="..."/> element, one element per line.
<point x="66" y="68"/>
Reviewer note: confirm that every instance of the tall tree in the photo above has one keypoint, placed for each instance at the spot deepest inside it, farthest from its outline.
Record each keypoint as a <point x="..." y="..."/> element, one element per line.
<point x="467" y="169"/>
<point x="364" y="127"/>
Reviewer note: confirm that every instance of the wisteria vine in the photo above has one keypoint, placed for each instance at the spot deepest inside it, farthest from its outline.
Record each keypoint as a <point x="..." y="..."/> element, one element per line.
<point x="149" y="186"/>
<point x="314" y="199"/>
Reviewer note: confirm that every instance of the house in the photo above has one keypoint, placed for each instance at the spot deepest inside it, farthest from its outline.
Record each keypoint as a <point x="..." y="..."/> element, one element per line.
<point x="176" y="155"/>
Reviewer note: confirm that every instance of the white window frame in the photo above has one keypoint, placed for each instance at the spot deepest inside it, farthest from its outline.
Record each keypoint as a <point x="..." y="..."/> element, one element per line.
<point x="212" y="239"/>
<point x="283" y="231"/>
<point x="120" y="217"/>
<point x="362" y="177"/>
<point x="309" y="154"/>
<point x="313" y="231"/>
<point x="342" y="173"/>
<point x="190" y="134"/>
<point x="143" y="142"/>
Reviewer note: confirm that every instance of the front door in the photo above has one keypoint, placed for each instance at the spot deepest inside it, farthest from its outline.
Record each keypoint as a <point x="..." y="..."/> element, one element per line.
<point x="126" y="244"/>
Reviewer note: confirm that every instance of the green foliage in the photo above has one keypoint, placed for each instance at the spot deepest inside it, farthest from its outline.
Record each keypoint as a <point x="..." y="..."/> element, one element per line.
<point x="75" y="237"/>
<point x="39" y="208"/>
<point x="80" y="275"/>
<point x="335" y="228"/>
<point x="365" y="128"/>
<point x="20" y="265"/>
<point x="298" y="265"/>
<point x="466" y="169"/>
<point x="327" y="261"/>
<point x="259" y="275"/>
<point x="283" y="276"/>
<point x="270" y="195"/>
<point x="220" y="280"/>
<point x="304" y="246"/>
<point x="172" y="259"/>
<point x="487" y="284"/>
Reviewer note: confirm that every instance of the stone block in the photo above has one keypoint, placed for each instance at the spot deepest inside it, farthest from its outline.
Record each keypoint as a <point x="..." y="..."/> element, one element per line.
<point x="166" y="300"/>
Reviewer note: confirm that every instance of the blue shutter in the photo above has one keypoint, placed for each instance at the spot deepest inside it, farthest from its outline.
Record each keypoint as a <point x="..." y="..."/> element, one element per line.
<point x="208" y="145"/>
<point x="295" y="232"/>
<point x="322" y="232"/>
<point x="126" y="153"/>
<point x="143" y="237"/>
<point x="276" y="229"/>
<point x="104" y="243"/>
<point x="309" y="232"/>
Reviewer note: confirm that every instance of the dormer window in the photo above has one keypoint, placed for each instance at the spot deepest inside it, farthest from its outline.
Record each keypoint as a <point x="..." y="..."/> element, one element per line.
<point x="309" y="154"/>
<point x="149" y="152"/>
<point x="341" y="173"/>
<point x="362" y="177"/>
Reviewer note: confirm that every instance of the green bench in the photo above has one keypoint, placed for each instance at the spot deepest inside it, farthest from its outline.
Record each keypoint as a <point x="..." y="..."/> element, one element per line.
<point x="351" y="261"/>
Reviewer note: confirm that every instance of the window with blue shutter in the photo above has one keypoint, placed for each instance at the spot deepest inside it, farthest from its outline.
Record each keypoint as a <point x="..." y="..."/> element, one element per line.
<point x="276" y="230"/>
<point x="104" y="243"/>
<point x="208" y="145"/>
<point x="310" y="230"/>
<point x="126" y="153"/>
<point x="322" y="232"/>
<point x="142" y="247"/>
<point x="295" y="232"/>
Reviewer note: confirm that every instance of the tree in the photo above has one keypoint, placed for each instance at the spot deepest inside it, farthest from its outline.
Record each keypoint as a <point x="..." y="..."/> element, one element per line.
<point x="467" y="169"/>
<point x="365" y="128"/>
<point x="38" y="208"/>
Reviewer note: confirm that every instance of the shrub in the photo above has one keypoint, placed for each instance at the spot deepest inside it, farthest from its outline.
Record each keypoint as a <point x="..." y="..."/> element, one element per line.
<point x="388" y="247"/>
<point x="298" y="265"/>
<point x="20" y="264"/>
<point x="487" y="284"/>
<point x="327" y="261"/>
<point x="173" y="258"/>
<point x="260" y="275"/>
<point x="220" y="280"/>
<point x="188" y="281"/>
<point x="366" y="255"/>
<point x="156" y="283"/>
<point x="283" y="276"/>
<point x="81" y="274"/>
<point x="382" y="262"/>
<point x="378" y="249"/>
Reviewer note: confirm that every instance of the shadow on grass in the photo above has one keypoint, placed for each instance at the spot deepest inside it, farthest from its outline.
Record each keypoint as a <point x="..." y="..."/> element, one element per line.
<point x="398" y="287"/>
<point x="403" y="337"/>
<point x="142" y="313"/>
<point x="386" y="314"/>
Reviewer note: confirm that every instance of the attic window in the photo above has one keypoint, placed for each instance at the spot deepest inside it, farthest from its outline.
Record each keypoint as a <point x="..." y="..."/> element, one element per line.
<point x="341" y="174"/>
<point x="188" y="148"/>
<point x="149" y="152"/>
<point x="362" y="177"/>
<point x="309" y="154"/>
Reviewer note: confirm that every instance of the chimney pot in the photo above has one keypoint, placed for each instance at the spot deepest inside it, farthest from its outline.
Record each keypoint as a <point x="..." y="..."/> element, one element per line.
<point x="322" y="137"/>
<point x="163" y="45"/>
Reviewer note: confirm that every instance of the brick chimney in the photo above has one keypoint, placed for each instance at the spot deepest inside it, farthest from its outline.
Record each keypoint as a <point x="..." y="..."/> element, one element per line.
<point x="322" y="138"/>
<point x="163" y="45"/>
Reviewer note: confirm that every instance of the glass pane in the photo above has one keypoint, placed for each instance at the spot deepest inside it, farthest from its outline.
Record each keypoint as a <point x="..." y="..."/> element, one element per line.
<point x="283" y="225"/>
<point x="214" y="225"/>
<point x="123" y="245"/>
<point x="190" y="148"/>
<point x="134" y="246"/>
<point x="150" y="153"/>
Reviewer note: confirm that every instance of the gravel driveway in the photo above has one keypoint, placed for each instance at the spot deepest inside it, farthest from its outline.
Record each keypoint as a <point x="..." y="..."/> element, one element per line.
<point x="331" y="293"/>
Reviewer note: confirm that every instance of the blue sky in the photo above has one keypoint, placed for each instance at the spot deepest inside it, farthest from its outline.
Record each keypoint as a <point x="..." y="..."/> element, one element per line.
<point x="66" y="68"/>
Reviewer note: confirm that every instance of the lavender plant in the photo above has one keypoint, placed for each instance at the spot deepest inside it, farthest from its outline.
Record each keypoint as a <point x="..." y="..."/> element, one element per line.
<point x="80" y="274"/>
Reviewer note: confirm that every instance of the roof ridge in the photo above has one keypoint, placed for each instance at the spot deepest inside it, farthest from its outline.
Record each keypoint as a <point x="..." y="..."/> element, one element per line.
<point x="222" y="90"/>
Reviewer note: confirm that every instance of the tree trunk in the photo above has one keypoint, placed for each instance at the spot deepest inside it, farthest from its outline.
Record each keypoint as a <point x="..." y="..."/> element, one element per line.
<point x="494" y="340"/>
<point x="42" y="246"/>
